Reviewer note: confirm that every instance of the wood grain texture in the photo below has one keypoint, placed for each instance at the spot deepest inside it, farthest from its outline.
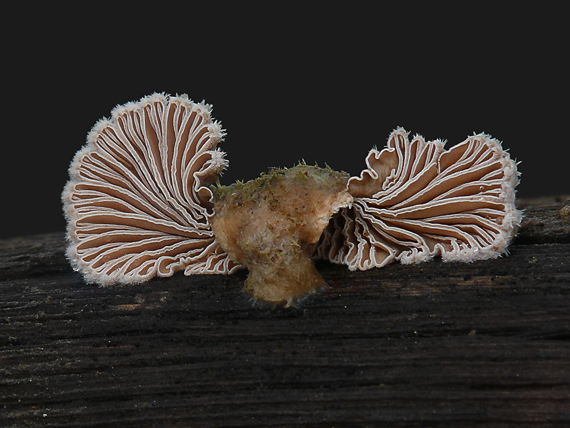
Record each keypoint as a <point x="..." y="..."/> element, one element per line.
<point x="433" y="344"/>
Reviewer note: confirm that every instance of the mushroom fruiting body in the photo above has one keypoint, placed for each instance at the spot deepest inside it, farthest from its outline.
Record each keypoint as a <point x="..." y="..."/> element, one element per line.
<point x="141" y="203"/>
<point x="138" y="201"/>
<point x="416" y="200"/>
<point x="271" y="225"/>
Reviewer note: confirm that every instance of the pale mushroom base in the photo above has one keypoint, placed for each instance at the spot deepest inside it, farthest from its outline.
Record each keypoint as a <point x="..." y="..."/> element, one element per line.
<point x="271" y="225"/>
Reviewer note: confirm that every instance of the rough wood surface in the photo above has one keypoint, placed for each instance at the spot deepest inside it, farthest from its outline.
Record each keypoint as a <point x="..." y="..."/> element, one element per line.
<point x="434" y="344"/>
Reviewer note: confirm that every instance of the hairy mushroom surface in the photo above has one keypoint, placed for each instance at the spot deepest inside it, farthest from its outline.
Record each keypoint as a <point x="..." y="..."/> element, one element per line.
<point x="272" y="224"/>
<point x="138" y="200"/>
<point x="416" y="200"/>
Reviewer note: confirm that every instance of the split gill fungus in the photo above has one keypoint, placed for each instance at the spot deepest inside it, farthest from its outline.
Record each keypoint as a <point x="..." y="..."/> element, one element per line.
<point x="141" y="202"/>
<point x="138" y="201"/>
<point x="415" y="201"/>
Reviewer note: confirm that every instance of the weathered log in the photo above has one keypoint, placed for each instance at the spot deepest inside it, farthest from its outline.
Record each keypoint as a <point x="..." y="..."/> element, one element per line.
<point x="546" y="220"/>
<point x="433" y="344"/>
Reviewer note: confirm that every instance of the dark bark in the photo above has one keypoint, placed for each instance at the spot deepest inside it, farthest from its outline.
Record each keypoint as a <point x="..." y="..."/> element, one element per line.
<point x="433" y="344"/>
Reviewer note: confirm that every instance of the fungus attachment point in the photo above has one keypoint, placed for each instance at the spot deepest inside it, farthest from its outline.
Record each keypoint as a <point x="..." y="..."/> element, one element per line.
<point x="272" y="224"/>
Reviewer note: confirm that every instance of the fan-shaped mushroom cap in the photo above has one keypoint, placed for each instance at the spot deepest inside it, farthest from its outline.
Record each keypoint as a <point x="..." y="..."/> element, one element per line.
<point x="416" y="200"/>
<point x="138" y="201"/>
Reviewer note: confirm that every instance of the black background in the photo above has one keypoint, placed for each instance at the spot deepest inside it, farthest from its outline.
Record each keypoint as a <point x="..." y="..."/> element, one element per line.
<point x="287" y="82"/>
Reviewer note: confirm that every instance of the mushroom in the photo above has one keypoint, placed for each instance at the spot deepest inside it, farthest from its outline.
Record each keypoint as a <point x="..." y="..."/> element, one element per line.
<point x="141" y="203"/>
<point x="415" y="201"/>
<point x="138" y="200"/>
<point x="272" y="224"/>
